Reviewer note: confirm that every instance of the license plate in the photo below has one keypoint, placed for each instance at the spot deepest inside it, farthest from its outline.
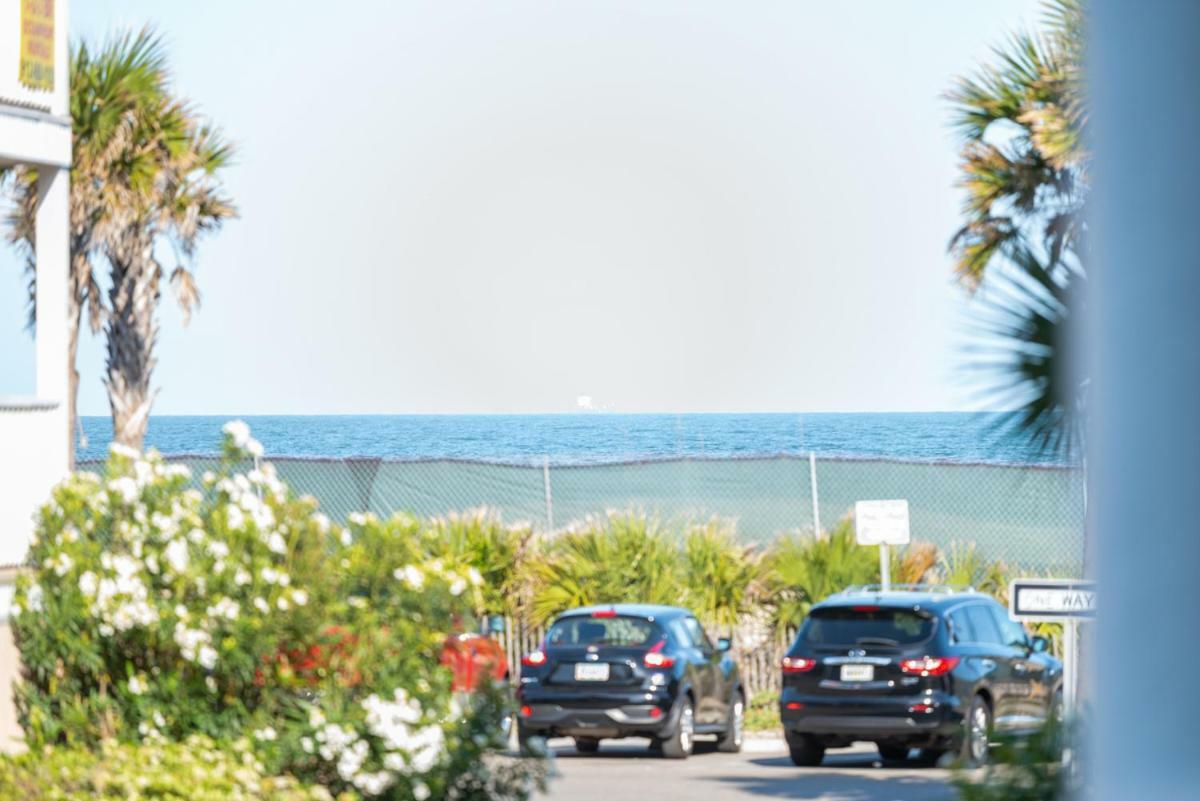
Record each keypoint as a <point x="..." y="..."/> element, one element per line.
<point x="858" y="672"/>
<point x="591" y="671"/>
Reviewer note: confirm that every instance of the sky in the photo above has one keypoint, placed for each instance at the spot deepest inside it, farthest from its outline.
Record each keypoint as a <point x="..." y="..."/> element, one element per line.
<point x="498" y="207"/>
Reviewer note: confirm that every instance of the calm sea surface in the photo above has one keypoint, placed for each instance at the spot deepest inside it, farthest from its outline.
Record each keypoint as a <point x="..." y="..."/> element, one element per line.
<point x="587" y="438"/>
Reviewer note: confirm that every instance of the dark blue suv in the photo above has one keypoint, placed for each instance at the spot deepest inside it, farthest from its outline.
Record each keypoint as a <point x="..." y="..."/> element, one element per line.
<point x="631" y="670"/>
<point x="926" y="668"/>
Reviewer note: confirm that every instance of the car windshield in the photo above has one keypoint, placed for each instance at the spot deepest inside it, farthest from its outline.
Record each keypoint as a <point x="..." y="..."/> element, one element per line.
<point x="621" y="631"/>
<point x="861" y="625"/>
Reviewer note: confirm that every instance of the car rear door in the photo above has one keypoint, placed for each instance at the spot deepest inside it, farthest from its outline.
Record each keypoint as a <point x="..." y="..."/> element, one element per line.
<point x="1032" y="703"/>
<point x="706" y="677"/>
<point x="1006" y="687"/>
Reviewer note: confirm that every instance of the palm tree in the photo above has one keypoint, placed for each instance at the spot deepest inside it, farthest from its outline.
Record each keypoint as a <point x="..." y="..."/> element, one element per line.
<point x="142" y="171"/>
<point x="1023" y="244"/>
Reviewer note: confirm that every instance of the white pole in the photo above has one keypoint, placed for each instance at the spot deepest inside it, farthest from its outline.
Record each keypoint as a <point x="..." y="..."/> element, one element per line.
<point x="1070" y="666"/>
<point x="885" y="566"/>
<point x="549" y="498"/>
<point x="812" y="480"/>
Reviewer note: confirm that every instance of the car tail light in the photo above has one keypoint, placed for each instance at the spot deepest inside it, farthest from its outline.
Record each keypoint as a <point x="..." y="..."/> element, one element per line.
<point x="526" y="711"/>
<point x="655" y="658"/>
<point x="865" y="608"/>
<point x="921" y="709"/>
<point x="605" y="613"/>
<point x="794" y="706"/>
<point x="656" y="712"/>
<point x="797" y="664"/>
<point x="534" y="658"/>
<point x="929" y="665"/>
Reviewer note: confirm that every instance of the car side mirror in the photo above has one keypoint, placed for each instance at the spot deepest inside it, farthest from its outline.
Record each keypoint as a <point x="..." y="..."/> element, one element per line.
<point x="1039" y="644"/>
<point x="724" y="644"/>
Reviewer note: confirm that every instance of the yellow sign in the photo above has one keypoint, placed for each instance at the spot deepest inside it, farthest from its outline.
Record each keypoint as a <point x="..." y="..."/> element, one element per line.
<point x="37" y="44"/>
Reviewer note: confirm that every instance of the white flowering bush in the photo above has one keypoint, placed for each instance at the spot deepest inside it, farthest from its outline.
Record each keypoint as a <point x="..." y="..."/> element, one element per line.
<point x="162" y="606"/>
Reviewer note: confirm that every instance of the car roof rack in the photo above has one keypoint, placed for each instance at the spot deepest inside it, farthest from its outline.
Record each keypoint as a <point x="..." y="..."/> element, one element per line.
<point x="875" y="589"/>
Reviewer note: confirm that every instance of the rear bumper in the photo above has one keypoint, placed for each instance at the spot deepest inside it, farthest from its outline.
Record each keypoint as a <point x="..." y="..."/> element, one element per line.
<point x="638" y="713"/>
<point x="885" y="717"/>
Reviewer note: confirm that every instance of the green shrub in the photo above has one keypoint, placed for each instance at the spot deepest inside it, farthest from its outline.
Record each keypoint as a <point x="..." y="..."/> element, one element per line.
<point x="155" y="612"/>
<point x="763" y="712"/>
<point x="804" y="571"/>
<point x="196" y="770"/>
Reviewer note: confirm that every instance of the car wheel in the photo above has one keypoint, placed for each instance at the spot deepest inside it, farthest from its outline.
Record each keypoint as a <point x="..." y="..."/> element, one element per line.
<point x="892" y="752"/>
<point x="806" y="751"/>
<point x="587" y="745"/>
<point x="679" y="744"/>
<point x="730" y="741"/>
<point x="977" y="730"/>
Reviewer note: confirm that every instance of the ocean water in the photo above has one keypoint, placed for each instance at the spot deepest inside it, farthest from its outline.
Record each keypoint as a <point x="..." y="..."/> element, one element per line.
<point x="601" y="437"/>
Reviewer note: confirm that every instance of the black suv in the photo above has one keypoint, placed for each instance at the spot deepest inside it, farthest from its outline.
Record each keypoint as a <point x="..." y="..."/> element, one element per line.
<point x="928" y="668"/>
<point x="631" y="671"/>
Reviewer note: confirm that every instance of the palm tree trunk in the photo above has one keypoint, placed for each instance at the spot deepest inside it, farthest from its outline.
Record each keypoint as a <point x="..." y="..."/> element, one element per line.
<point x="131" y="332"/>
<point x="73" y="315"/>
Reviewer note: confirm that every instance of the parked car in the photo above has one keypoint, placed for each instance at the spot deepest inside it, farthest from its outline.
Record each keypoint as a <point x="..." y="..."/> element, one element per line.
<point x="922" y="668"/>
<point x="631" y="671"/>
<point x="474" y="657"/>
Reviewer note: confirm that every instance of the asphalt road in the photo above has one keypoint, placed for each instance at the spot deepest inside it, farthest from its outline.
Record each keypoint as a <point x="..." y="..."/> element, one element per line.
<point x="623" y="770"/>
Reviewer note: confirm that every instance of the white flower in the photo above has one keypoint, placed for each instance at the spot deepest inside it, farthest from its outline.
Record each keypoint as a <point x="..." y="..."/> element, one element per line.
<point x="88" y="583"/>
<point x="457" y="586"/>
<point x="207" y="657"/>
<point x="210" y="683"/>
<point x="235" y="516"/>
<point x="159" y="720"/>
<point x="346" y="538"/>
<point x="322" y="522"/>
<point x="126" y="487"/>
<point x="299" y="597"/>
<point x="117" y="449"/>
<point x="357" y="518"/>
<point x="411" y="575"/>
<point x="176" y="553"/>
<point x="269" y="575"/>
<point x="277" y="543"/>
<point x="241" y="577"/>
<point x="237" y="431"/>
<point x="474" y="576"/>
<point x="62" y="564"/>
<point x="136" y="685"/>
<point x="226" y="608"/>
<point x="261" y="605"/>
<point x="420" y="791"/>
<point x="268" y="733"/>
<point x="254" y="448"/>
<point x="282" y="603"/>
<point x="217" y="549"/>
<point x="306" y="744"/>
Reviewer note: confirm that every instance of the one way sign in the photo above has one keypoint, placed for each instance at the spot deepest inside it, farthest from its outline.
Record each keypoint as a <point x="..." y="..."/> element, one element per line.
<point x="1052" y="599"/>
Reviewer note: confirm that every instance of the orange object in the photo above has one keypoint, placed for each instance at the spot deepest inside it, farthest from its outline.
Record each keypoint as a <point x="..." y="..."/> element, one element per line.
<point x="473" y="659"/>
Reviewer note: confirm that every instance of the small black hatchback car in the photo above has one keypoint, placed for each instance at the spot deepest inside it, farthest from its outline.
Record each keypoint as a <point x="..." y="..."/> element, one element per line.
<point x="928" y="668"/>
<point x="631" y="670"/>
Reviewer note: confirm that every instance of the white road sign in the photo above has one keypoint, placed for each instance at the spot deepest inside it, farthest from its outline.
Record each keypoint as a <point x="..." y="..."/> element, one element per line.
<point x="1052" y="599"/>
<point x="881" y="522"/>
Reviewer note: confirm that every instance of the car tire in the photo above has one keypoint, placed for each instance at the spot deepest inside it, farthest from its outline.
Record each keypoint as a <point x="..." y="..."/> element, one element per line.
<point x="977" y="729"/>
<point x="730" y="741"/>
<point x="680" y="742"/>
<point x="587" y="745"/>
<point x="806" y="751"/>
<point x="892" y="752"/>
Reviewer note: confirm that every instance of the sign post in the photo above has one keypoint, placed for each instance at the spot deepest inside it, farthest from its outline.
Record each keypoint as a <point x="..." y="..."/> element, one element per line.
<point x="1066" y="601"/>
<point x="882" y="523"/>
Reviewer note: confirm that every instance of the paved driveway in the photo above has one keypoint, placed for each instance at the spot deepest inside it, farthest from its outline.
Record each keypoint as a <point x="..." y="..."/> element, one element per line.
<point x="623" y="771"/>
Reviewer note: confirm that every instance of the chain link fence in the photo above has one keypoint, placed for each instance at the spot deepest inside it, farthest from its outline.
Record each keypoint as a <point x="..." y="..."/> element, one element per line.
<point x="1029" y="517"/>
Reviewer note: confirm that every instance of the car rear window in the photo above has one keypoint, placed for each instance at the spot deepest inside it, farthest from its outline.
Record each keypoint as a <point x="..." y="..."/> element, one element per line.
<point x="837" y="625"/>
<point x="620" y="631"/>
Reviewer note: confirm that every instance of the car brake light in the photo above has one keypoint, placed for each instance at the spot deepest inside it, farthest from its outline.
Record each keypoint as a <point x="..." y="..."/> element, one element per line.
<point x="526" y="711"/>
<point x="865" y="608"/>
<point x="929" y="665"/>
<point x="605" y="613"/>
<point x="534" y="658"/>
<point x="798" y="664"/>
<point x="795" y="706"/>
<point x="655" y="658"/>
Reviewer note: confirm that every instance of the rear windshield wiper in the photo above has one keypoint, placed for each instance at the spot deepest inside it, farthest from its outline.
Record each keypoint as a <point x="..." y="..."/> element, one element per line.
<point x="876" y="641"/>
